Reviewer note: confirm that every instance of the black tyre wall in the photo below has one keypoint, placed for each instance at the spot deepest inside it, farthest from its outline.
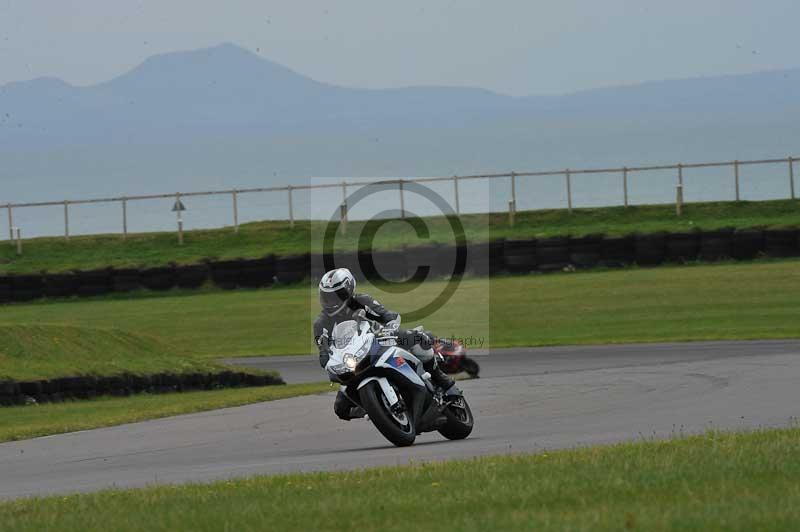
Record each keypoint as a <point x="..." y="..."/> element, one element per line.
<point x="650" y="248"/>
<point x="519" y="256"/>
<point x="716" y="245"/>
<point x="781" y="242"/>
<point x="191" y="276"/>
<point x="618" y="251"/>
<point x="747" y="244"/>
<point x="586" y="251"/>
<point x="552" y="254"/>
<point x="60" y="285"/>
<point x="159" y="278"/>
<point x="682" y="247"/>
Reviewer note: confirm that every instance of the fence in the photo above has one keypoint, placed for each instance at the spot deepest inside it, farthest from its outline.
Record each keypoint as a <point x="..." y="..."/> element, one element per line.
<point x="514" y="179"/>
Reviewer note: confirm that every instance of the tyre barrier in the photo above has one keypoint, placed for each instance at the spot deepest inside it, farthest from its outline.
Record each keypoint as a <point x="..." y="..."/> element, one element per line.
<point x="485" y="259"/>
<point x="586" y="252"/>
<point x="60" y="285"/>
<point x="747" y="244"/>
<point x="781" y="243"/>
<point x="716" y="245"/>
<point x="126" y="280"/>
<point x="552" y="254"/>
<point x="256" y="273"/>
<point x="160" y="279"/>
<point x="519" y="256"/>
<point x="389" y="265"/>
<point x="225" y="274"/>
<point x="191" y="276"/>
<point x="5" y="290"/>
<point x="682" y="247"/>
<point x="618" y="251"/>
<point x="86" y="387"/>
<point x="649" y="249"/>
<point x="94" y="283"/>
<point x="482" y="259"/>
<point x="27" y="287"/>
<point x="292" y="269"/>
<point x="432" y="262"/>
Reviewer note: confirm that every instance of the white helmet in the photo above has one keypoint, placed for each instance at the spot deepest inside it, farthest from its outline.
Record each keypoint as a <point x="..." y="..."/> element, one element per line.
<point x="335" y="289"/>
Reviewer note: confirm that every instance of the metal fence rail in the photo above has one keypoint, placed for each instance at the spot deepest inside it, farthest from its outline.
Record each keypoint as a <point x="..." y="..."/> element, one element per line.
<point x="624" y="172"/>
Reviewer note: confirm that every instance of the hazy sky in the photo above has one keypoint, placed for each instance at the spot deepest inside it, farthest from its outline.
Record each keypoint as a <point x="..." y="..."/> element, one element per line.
<point x="512" y="46"/>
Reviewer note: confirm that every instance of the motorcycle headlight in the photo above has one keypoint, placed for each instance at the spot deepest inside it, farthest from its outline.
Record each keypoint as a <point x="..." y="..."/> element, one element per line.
<point x="350" y="361"/>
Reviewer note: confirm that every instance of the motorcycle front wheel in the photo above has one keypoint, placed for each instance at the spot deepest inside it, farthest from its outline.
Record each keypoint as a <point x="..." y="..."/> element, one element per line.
<point x="459" y="420"/>
<point x="397" y="427"/>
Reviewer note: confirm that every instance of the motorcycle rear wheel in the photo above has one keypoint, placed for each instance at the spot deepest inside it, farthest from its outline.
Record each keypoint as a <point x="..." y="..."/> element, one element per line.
<point x="459" y="420"/>
<point x="397" y="429"/>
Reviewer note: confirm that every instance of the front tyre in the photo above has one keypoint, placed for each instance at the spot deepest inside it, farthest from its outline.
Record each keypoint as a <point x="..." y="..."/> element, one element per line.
<point x="459" y="420"/>
<point x="397" y="427"/>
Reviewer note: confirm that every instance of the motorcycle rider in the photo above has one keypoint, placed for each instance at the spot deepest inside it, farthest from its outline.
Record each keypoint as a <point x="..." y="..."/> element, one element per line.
<point x="340" y="303"/>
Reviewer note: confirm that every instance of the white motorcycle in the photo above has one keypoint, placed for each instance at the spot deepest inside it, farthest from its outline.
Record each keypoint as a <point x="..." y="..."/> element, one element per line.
<point x="391" y="385"/>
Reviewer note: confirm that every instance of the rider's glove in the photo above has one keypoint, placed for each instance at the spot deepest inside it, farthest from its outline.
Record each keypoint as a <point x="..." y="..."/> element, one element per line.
<point x="393" y="325"/>
<point x="324" y="356"/>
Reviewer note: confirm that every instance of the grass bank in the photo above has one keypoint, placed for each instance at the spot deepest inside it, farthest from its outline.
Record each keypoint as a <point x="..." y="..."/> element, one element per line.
<point x="36" y="350"/>
<point x="22" y="422"/>
<point x="711" y="482"/>
<point x="704" y="302"/>
<point x="261" y="238"/>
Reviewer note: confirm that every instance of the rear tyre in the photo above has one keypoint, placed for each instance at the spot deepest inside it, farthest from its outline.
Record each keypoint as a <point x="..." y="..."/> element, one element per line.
<point x="471" y="367"/>
<point x="398" y="428"/>
<point x="459" y="420"/>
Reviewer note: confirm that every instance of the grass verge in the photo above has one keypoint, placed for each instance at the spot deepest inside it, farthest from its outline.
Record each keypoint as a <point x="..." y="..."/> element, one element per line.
<point x="34" y="350"/>
<point x="746" y="481"/>
<point x="706" y="302"/>
<point x="23" y="422"/>
<point x="261" y="238"/>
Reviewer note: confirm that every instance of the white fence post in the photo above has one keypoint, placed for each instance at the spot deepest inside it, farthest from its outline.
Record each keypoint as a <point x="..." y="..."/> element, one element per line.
<point x="343" y="217"/>
<point x="455" y="193"/>
<point x="791" y="177"/>
<point x="679" y="192"/>
<point x="514" y="189"/>
<point x="736" y="178"/>
<point x="10" y="224"/>
<point x="625" y="185"/>
<point x="402" y="200"/>
<point x="66" y="220"/>
<point x="291" y="207"/>
<point x="234" y="196"/>
<point x="124" y="219"/>
<point x="19" y="240"/>
<point x="344" y="202"/>
<point x="569" y="189"/>
<point x="180" y="218"/>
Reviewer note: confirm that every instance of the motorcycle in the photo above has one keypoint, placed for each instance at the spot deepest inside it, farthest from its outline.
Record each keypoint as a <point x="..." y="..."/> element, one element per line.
<point x="455" y="359"/>
<point x="391" y="385"/>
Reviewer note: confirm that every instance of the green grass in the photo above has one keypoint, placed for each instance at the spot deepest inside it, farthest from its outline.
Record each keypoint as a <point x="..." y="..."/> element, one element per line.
<point x="710" y="482"/>
<point x="260" y="238"/>
<point x="22" y="422"/>
<point x="35" y="350"/>
<point x="721" y="301"/>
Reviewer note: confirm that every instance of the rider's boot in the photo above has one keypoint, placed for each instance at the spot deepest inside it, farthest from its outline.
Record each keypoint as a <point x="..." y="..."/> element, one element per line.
<point x="345" y="408"/>
<point x="441" y="379"/>
<point x="438" y="377"/>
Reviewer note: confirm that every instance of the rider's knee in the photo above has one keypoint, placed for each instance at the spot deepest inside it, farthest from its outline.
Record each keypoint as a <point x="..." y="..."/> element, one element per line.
<point x="341" y="406"/>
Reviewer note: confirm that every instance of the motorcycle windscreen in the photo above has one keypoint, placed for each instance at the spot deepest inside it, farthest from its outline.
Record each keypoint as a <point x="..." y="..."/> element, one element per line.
<point x="344" y="333"/>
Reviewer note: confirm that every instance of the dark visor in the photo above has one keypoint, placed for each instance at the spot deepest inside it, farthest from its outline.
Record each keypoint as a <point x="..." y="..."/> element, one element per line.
<point x="333" y="301"/>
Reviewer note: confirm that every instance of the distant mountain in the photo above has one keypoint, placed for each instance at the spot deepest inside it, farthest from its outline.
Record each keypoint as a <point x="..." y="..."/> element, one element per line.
<point x="224" y="116"/>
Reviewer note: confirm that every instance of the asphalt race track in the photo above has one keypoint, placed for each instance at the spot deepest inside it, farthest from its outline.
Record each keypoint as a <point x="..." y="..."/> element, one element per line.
<point x="527" y="400"/>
